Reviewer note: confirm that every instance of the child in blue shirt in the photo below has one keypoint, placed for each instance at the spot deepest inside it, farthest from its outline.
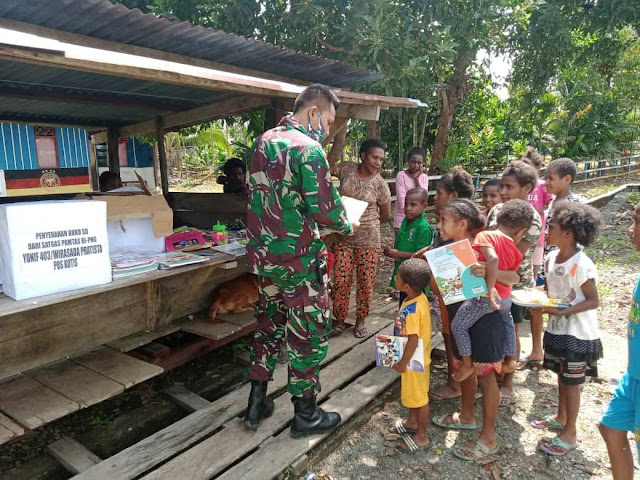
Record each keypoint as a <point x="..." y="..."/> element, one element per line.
<point x="623" y="413"/>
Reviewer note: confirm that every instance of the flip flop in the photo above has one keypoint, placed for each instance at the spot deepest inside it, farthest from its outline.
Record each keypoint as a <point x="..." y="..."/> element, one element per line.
<point x="524" y="363"/>
<point x="456" y="425"/>
<point x="399" y="428"/>
<point x="411" y="445"/>
<point x="360" y="331"/>
<point x="507" y="399"/>
<point x="479" y="451"/>
<point x="337" y="329"/>
<point x="552" y="424"/>
<point x="557" y="442"/>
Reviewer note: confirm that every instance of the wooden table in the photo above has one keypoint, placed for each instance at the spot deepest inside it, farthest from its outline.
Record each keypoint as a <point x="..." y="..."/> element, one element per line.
<point x="41" y="330"/>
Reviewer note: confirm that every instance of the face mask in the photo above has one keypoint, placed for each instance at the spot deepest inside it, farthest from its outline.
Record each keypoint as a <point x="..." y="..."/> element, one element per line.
<point x="318" y="134"/>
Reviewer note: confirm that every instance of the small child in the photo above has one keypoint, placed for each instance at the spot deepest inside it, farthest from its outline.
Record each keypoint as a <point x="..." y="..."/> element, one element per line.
<point x="623" y="413"/>
<point x="414" y="322"/>
<point x="491" y="194"/>
<point x="497" y="248"/>
<point x="414" y="234"/>
<point x="571" y="342"/>
<point x="539" y="199"/>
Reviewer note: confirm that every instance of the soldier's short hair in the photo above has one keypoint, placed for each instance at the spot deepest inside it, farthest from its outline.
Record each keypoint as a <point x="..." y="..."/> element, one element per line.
<point x="415" y="273"/>
<point x="315" y="94"/>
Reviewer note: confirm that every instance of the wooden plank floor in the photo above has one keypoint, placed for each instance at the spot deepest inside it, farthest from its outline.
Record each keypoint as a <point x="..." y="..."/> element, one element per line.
<point x="235" y="441"/>
<point x="144" y="455"/>
<point x="9" y="429"/>
<point x="124" y="369"/>
<point x="33" y="404"/>
<point x="76" y="382"/>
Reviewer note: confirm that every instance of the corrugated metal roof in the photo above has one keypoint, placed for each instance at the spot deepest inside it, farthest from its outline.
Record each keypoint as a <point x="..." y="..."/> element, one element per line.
<point x="103" y="20"/>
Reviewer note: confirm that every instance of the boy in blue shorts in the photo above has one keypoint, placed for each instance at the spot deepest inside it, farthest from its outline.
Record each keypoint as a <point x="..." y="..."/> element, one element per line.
<point x="623" y="414"/>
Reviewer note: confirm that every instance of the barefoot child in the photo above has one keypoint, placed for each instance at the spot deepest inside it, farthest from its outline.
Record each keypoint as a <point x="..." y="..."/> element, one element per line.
<point x="414" y="322"/>
<point x="623" y="413"/>
<point x="414" y="234"/>
<point x="518" y="180"/>
<point x="491" y="194"/>
<point x="572" y="340"/>
<point x="498" y="250"/>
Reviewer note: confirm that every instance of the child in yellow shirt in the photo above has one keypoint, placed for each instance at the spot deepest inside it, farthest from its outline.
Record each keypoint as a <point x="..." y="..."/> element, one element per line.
<point x="414" y="322"/>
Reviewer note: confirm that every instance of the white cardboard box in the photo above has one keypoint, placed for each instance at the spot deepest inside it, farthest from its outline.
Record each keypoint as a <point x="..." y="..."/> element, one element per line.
<point x="52" y="247"/>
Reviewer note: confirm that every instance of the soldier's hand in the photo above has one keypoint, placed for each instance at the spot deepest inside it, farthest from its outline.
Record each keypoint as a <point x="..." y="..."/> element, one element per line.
<point x="355" y="225"/>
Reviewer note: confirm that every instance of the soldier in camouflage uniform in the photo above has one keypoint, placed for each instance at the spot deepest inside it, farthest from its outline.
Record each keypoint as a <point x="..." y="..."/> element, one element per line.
<point x="291" y="195"/>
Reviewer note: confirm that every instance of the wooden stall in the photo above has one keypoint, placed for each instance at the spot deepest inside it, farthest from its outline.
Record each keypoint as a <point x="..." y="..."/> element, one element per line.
<point x="67" y="351"/>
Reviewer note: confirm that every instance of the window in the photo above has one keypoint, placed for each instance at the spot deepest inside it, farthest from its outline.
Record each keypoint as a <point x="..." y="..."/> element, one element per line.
<point x="46" y="149"/>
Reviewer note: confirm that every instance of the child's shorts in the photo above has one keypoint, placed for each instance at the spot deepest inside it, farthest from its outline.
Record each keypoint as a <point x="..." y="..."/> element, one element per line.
<point x="482" y="369"/>
<point x="623" y="412"/>
<point x="414" y="388"/>
<point x="536" y="257"/>
<point x="569" y="372"/>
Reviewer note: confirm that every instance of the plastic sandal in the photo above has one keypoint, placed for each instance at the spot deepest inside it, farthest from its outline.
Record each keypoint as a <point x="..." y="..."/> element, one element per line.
<point x="557" y="442"/>
<point x="399" y="428"/>
<point x="479" y="451"/>
<point x="553" y="424"/>
<point x="411" y="445"/>
<point x="456" y="425"/>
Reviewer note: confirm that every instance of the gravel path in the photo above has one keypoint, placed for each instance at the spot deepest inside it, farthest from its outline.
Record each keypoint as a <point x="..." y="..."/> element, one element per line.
<point x="365" y="454"/>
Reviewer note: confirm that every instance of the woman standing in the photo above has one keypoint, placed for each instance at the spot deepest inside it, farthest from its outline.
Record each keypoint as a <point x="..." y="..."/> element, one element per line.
<point x="412" y="177"/>
<point x="360" y="253"/>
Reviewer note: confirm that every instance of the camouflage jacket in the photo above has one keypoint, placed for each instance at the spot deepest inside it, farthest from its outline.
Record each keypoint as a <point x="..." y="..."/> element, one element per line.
<point x="290" y="195"/>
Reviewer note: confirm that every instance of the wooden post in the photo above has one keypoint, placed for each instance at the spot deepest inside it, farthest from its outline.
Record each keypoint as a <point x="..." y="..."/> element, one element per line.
<point x="93" y="166"/>
<point x="162" y="157"/>
<point x="113" y="135"/>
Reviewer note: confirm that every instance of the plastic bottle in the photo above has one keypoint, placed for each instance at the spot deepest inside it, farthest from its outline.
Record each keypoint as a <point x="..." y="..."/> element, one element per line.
<point x="220" y="235"/>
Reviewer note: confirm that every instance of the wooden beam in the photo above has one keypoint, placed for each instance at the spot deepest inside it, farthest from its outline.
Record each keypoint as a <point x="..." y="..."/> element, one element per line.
<point x="337" y="127"/>
<point x="162" y="157"/>
<point x="72" y="455"/>
<point x="93" y="165"/>
<point x="186" y="399"/>
<point x="113" y="135"/>
<point x="362" y="112"/>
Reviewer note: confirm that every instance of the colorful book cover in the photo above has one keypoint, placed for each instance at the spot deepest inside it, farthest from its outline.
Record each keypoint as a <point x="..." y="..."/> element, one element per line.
<point x="178" y="259"/>
<point x="451" y="269"/>
<point x="389" y="351"/>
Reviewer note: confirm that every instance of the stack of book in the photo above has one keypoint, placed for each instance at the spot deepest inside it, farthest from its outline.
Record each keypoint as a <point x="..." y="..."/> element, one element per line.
<point x="126" y="264"/>
<point x="178" y="259"/>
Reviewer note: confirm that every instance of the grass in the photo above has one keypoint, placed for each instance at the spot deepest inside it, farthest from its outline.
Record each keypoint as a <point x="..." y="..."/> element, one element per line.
<point x="599" y="190"/>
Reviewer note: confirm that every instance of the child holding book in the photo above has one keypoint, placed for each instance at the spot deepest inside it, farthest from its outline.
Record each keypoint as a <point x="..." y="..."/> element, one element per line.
<point x="414" y="233"/>
<point x="414" y="322"/>
<point x="518" y="180"/>
<point x="497" y="248"/>
<point x="491" y="194"/>
<point x="623" y="413"/>
<point x="572" y="343"/>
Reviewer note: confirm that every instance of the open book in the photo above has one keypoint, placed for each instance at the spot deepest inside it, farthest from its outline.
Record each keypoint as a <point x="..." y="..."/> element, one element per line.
<point x="389" y="351"/>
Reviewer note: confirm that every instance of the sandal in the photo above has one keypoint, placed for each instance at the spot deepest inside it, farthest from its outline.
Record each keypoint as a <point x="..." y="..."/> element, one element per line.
<point x="410" y="445"/>
<point x="507" y="399"/>
<point x="439" y="397"/>
<point x="399" y="428"/>
<point x="456" y="425"/>
<point x="360" y="331"/>
<point x="551" y="424"/>
<point x="337" y="328"/>
<point x="557" y="442"/>
<point x="480" y="450"/>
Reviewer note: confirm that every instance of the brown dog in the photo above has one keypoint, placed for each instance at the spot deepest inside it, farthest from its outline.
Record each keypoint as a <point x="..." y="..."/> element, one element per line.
<point x="235" y="296"/>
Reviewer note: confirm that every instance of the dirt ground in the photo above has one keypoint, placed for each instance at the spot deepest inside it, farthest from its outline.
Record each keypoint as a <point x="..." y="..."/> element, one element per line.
<point x="364" y="453"/>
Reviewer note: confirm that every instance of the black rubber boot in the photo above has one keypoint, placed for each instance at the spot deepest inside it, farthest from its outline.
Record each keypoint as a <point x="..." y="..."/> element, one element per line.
<point x="310" y="418"/>
<point x="259" y="406"/>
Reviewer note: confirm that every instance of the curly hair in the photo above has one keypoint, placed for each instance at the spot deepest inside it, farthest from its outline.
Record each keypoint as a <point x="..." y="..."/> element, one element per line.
<point x="564" y="167"/>
<point x="370" y="143"/>
<point x="532" y="157"/>
<point x="233" y="163"/>
<point x="465" y="209"/>
<point x="524" y="173"/>
<point x="583" y="220"/>
<point x="516" y="214"/>
<point x="415" y="273"/>
<point x="419" y="192"/>
<point x="458" y="180"/>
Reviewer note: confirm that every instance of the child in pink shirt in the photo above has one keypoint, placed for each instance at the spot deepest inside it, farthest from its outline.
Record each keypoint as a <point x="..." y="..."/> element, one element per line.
<point x="539" y="199"/>
<point x="412" y="177"/>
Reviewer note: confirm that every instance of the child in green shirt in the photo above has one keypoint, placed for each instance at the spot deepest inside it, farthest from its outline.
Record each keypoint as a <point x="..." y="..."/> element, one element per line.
<point x="414" y="234"/>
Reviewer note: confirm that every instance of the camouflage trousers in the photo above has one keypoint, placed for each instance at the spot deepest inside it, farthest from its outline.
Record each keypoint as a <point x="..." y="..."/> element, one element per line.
<point x="299" y="314"/>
